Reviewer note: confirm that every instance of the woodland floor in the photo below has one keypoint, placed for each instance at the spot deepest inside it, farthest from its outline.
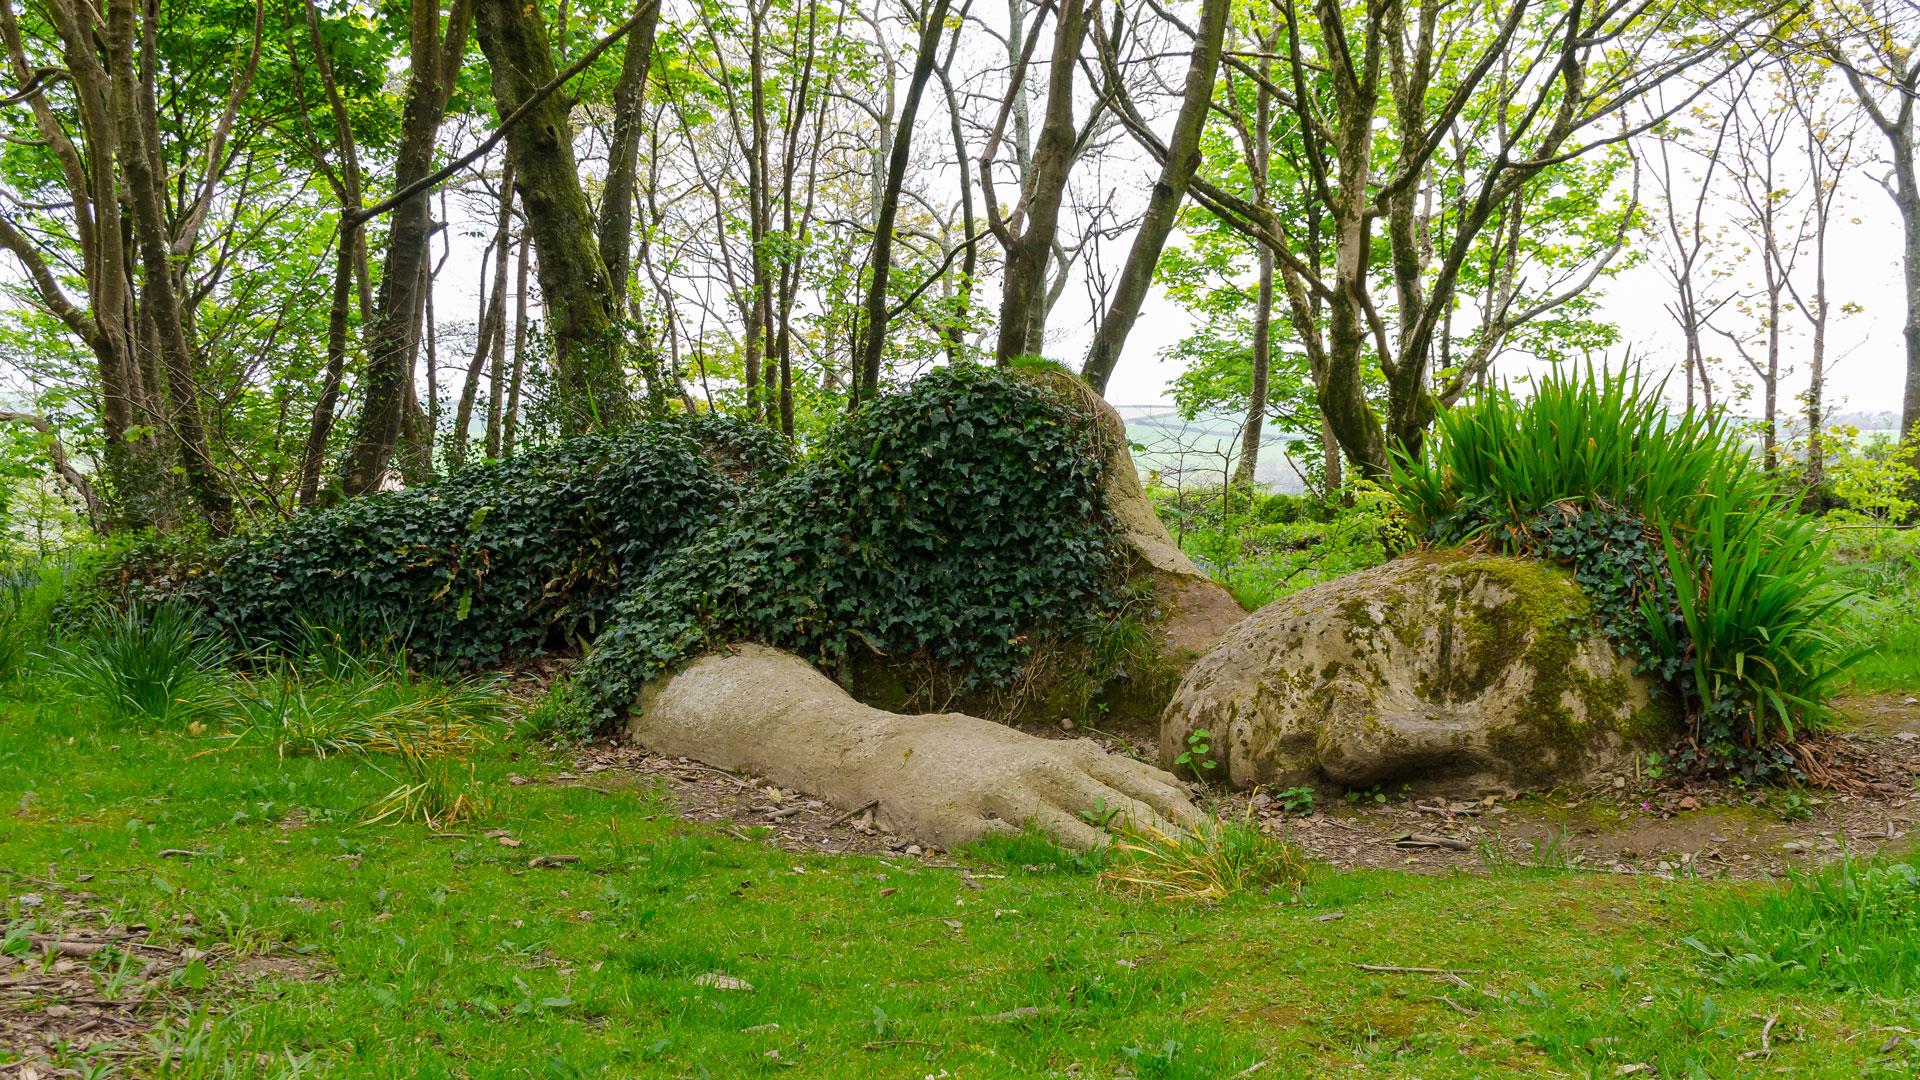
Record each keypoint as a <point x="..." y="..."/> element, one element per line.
<point x="618" y="914"/>
<point x="1622" y="825"/>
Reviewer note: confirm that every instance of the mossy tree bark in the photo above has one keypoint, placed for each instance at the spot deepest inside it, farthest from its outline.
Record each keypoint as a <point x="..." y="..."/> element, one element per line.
<point x="614" y="228"/>
<point x="393" y="340"/>
<point x="590" y="392"/>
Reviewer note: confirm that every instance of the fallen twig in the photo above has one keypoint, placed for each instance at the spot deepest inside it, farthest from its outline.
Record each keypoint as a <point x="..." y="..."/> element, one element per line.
<point x="1428" y="840"/>
<point x="1394" y="969"/>
<point x="870" y="804"/>
<point x="1766" y="1045"/>
<point x="69" y="948"/>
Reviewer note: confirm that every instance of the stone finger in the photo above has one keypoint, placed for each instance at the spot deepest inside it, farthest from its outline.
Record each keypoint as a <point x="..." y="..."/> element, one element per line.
<point x="1090" y="797"/>
<point x="1145" y="784"/>
<point x="1064" y="827"/>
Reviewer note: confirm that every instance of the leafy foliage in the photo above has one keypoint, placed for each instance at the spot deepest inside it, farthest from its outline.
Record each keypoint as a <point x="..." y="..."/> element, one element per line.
<point x="1871" y="479"/>
<point x="1700" y="566"/>
<point x="31" y="590"/>
<point x="1262" y="547"/>
<point x="1883" y="566"/>
<point x="502" y="558"/>
<point x="945" y="525"/>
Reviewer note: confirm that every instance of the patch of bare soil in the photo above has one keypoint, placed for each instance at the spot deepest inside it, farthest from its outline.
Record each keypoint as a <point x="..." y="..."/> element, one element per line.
<point x="1643" y="824"/>
<point x="77" y="987"/>
<point x="735" y="804"/>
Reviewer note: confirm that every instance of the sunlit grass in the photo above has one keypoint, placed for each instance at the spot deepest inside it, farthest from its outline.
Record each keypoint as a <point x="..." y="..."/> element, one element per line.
<point x="415" y="949"/>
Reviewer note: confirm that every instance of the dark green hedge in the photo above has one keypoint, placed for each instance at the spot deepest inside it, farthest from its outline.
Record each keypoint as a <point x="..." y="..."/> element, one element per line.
<point x="500" y="559"/>
<point x="943" y="527"/>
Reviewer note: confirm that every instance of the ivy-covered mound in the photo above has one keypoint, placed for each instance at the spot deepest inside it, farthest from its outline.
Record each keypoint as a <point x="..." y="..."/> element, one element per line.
<point x="944" y="528"/>
<point x="1698" y="564"/>
<point x="500" y="559"/>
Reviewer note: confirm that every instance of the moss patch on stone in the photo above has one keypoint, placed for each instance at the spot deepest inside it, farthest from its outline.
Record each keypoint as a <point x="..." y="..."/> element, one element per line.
<point x="1537" y="623"/>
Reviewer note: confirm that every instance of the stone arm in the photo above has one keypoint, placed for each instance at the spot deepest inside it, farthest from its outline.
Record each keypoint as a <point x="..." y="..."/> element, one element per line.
<point x="943" y="779"/>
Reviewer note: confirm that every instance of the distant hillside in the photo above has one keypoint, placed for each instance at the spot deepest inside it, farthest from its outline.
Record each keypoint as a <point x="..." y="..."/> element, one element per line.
<point x="1204" y="449"/>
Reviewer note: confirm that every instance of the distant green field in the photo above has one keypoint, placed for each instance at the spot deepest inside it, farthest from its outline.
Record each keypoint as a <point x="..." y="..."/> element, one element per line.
<point x="1205" y="448"/>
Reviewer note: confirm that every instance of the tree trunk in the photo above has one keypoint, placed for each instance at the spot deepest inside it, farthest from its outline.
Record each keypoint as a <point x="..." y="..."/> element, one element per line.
<point x="880" y="262"/>
<point x="1243" y="475"/>
<point x="510" y="424"/>
<point x="394" y="334"/>
<point x="614" y="231"/>
<point x="1024" y="279"/>
<point x="1907" y="197"/>
<point x="590" y="387"/>
<point x="1163" y="205"/>
<point x="144" y="163"/>
<point x="320" y="424"/>
<point x="497" y="372"/>
<point x="487" y="329"/>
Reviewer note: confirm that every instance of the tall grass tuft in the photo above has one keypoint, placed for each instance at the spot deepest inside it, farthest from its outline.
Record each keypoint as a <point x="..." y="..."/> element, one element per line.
<point x="1213" y="860"/>
<point x="1850" y="926"/>
<point x="435" y="789"/>
<point x="148" y="663"/>
<point x="373" y="711"/>
<point x="1732" y="594"/>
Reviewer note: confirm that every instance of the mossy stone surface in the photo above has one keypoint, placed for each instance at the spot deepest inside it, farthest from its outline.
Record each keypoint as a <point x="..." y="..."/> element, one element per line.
<point x="1445" y="670"/>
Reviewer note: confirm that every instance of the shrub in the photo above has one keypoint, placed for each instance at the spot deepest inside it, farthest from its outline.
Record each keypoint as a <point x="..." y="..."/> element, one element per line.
<point x="1262" y="547"/>
<point x="31" y="591"/>
<point x="1702" y="569"/>
<point x="1883" y="566"/>
<point x="501" y="558"/>
<point x="942" y="527"/>
<point x="1871" y="479"/>
<point x="1851" y="926"/>
<point x="144" y="663"/>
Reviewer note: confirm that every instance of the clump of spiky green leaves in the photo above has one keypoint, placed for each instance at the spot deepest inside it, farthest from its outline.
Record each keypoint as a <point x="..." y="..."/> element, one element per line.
<point x="383" y="709"/>
<point x="1705" y="570"/>
<point x="147" y="663"/>
<point x="435" y="789"/>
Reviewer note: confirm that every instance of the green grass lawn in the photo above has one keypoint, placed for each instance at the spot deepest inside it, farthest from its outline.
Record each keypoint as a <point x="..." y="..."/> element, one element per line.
<point x="450" y="956"/>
